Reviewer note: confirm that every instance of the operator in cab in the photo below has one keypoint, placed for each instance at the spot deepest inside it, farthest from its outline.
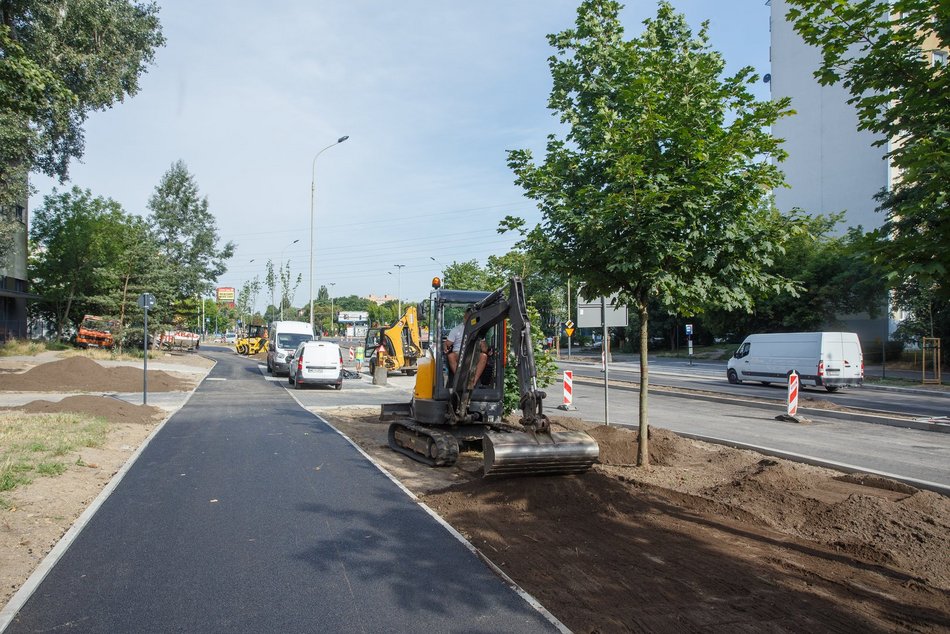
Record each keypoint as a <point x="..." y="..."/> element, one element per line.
<point x="452" y="346"/>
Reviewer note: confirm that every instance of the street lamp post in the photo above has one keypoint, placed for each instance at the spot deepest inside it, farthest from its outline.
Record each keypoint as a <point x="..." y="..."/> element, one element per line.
<point x="399" y="290"/>
<point x="331" y="285"/>
<point x="281" y="273"/>
<point x="313" y="181"/>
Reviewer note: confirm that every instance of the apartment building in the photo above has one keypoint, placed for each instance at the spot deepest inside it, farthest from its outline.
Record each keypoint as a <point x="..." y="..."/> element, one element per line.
<point x="14" y="284"/>
<point x="831" y="166"/>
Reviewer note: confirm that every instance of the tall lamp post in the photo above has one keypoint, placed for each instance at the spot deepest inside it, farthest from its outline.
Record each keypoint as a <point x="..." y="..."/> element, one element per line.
<point x="313" y="181"/>
<point x="281" y="273"/>
<point x="399" y="290"/>
<point x="331" y="285"/>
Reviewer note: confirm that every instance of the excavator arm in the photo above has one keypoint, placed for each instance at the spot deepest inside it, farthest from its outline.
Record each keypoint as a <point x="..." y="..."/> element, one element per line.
<point x="479" y="319"/>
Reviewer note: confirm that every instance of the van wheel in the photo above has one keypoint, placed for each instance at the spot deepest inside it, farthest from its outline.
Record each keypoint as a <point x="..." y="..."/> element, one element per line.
<point x="831" y="388"/>
<point x="338" y="386"/>
<point x="733" y="377"/>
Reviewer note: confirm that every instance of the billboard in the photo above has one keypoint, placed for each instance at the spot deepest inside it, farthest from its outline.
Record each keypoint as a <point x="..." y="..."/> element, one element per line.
<point x="225" y="294"/>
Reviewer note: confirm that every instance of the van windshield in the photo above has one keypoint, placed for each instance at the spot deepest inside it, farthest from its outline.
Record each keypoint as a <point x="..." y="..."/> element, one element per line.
<point x="292" y="340"/>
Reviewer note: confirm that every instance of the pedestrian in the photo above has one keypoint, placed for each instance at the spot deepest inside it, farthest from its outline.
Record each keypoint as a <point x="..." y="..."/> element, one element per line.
<point x="359" y="358"/>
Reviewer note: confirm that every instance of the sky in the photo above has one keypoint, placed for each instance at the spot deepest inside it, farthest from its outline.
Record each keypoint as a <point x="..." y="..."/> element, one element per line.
<point x="431" y="95"/>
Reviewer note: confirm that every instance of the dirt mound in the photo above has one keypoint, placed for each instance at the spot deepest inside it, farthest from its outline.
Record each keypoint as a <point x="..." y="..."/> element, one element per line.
<point x="619" y="446"/>
<point x="111" y="409"/>
<point x="81" y="374"/>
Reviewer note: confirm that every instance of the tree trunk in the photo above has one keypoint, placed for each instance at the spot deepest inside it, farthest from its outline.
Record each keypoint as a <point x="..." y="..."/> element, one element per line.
<point x="643" y="449"/>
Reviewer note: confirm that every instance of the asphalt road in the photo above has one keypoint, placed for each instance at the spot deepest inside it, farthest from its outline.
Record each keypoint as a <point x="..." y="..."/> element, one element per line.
<point x="903" y="453"/>
<point x="711" y="377"/>
<point x="246" y="513"/>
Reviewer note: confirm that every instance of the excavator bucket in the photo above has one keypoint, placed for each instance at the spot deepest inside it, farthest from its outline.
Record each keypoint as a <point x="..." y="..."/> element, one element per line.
<point x="526" y="453"/>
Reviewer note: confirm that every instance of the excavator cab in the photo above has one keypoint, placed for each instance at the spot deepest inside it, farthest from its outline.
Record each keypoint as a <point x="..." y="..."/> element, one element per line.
<point x="451" y="409"/>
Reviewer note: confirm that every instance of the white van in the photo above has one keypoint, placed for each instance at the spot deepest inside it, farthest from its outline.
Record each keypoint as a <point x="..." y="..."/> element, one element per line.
<point x="823" y="359"/>
<point x="316" y="363"/>
<point x="283" y="339"/>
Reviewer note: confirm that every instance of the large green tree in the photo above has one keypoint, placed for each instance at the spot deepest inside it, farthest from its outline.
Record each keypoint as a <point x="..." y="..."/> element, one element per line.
<point x="187" y="232"/>
<point x="655" y="191"/>
<point x="882" y="53"/>
<point x="75" y="247"/>
<point x="59" y="61"/>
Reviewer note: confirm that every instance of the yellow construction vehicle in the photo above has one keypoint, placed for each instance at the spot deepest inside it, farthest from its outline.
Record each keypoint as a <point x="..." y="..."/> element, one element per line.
<point x="449" y="409"/>
<point x="255" y="341"/>
<point x="395" y="347"/>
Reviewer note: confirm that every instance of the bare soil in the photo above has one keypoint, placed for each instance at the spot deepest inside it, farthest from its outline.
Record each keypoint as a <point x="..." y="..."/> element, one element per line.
<point x="708" y="539"/>
<point x="81" y="374"/>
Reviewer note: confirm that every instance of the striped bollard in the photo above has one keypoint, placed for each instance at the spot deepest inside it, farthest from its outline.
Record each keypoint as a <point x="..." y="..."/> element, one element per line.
<point x="791" y="409"/>
<point x="352" y="354"/>
<point x="568" y="403"/>
<point x="793" y="394"/>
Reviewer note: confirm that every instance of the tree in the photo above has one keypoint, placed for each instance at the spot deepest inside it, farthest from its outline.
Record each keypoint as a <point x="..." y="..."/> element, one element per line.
<point x="467" y="276"/>
<point x="74" y="243"/>
<point x="59" y="61"/>
<point x="879" y="52"/>
<point x="187" y="232"/>
<point x="288" y="285"/>
<point x="655" y="191"/>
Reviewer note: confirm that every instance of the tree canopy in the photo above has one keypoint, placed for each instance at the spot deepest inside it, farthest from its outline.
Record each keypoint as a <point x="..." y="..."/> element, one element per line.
<point x="882" y="53"/>
<point x="187" y="232"/>
<point x="59" y="61"/>
<point x="656" y="190"/>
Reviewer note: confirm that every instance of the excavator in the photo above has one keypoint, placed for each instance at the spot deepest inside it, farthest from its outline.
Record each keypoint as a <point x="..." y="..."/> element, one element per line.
<point x="449" y="409"/>
<point x="395" y="347"/>
<point x="254" y="342"/>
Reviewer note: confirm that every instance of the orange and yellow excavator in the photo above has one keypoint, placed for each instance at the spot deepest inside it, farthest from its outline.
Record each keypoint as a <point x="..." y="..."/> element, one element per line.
<point x="395" y="347"/>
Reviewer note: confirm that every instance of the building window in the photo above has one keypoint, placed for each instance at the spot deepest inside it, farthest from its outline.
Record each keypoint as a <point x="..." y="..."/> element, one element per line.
<point x="939" y="58"/>
<point x="18" y="212"/>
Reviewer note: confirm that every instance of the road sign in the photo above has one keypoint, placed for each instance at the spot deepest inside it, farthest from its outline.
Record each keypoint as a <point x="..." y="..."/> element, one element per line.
<point x="569" y="324"/>
<point x="589" y="315"/>
<point x="689" y="329"/>
<point x="569" y="331"/>
<point x="146" y="300"/>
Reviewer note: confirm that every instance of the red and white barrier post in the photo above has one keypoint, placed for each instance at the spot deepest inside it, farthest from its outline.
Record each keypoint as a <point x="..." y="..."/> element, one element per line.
<point x="791" y="407"/>
<point x="568" y="403"/>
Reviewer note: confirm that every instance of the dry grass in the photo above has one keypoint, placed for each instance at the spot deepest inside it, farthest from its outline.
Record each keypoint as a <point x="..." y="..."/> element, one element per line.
<point x="40" y="444"/>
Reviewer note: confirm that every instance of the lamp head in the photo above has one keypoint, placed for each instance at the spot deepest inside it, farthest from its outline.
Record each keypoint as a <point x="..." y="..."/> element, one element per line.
<point x="342" y="139"/>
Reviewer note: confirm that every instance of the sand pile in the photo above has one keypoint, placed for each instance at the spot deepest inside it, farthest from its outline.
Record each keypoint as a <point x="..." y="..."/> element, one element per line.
<point x="81" y="374"/>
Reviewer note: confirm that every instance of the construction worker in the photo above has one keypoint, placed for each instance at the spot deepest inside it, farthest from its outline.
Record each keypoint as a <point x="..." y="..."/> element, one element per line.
<point x="359" y="358"/>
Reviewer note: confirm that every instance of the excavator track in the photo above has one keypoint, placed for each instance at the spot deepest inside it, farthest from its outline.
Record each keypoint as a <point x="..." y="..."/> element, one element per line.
<point x="429" y="446"/>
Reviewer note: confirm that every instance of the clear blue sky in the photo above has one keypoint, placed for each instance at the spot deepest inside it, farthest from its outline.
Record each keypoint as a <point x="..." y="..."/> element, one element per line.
<point x="431" y="95"/>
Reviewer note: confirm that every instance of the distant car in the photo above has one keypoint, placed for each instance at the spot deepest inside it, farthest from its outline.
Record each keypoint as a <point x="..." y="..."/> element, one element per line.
<point x="230" y="337"/>
<point x="316" y="363"/>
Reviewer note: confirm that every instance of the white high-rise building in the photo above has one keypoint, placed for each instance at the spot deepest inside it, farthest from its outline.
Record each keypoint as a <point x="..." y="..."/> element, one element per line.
<point x="831" y="165"/>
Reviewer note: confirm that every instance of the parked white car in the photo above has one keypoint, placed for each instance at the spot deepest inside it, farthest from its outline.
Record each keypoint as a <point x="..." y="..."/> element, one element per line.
<point x="316" y="363"/>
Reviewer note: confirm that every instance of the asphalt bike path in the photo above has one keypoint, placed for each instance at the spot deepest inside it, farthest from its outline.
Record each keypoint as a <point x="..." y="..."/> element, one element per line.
<point x="246" y="513"/>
